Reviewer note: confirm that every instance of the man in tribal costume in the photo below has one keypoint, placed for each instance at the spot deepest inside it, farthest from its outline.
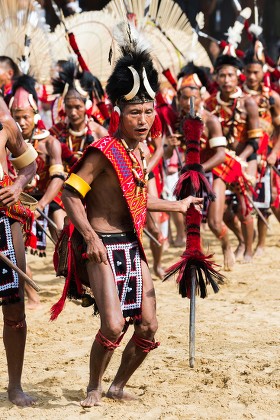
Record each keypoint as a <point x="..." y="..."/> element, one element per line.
<point x="83" y="122"/>
<point x="257" y="86"/>
<point x="46" y="185"/>
<point x="238" y="115"/>
<point x="12" y="213"/>
<point x="111" y="179"/>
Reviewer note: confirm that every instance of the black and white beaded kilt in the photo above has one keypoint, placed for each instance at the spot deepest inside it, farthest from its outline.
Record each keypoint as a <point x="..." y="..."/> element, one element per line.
<point x="125" y="261"/>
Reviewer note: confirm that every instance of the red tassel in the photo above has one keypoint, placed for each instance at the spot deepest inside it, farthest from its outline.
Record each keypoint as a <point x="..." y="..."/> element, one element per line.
<point x="114" y="121"/>
<point x="73" y="43"/>
<point x="169" y="76"/>
<point x="41" y="125"/>
<point x="31" y="240"/>
<point x="160" y="99"/>
<point x="156" y="129"/>
<point x="104" y="110"/>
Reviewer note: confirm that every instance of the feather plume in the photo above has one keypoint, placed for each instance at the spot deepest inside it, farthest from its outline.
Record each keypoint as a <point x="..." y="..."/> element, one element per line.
<point x="93" y="33"/>
<point x="23" y="35"/>
<point x="234" y="32"/>
<point x="167" y="29"/>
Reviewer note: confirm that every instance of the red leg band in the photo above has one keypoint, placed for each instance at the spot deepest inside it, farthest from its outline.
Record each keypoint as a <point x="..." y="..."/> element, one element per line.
<point x="223" y="232"/>
<point x="145" y="345"/>
<point x="15" y="324"/>
<point x="107" y="344"/>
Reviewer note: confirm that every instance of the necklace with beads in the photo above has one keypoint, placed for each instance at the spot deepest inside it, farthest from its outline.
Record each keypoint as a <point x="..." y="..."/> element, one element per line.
<point x="73" y="135"/>
<point x="140" y="182"/>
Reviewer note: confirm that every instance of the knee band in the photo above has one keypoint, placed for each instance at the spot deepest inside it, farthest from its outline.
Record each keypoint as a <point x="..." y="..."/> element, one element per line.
<point x="107" y="344"/>
<point x="223" y="232"/>
<point x="145" y="345"/>
<point x="15" y="324"/>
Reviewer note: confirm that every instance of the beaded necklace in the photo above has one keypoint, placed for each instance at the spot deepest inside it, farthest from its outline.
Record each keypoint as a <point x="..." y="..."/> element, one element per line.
<point x="140" y="183"/>
<point x="76" y="134"/>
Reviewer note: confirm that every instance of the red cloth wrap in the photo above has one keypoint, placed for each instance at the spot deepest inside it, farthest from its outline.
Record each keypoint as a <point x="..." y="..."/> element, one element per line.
<point x="19" y="213"/>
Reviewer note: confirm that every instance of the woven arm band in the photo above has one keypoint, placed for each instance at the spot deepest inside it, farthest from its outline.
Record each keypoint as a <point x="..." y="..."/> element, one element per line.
<point x="254" y="133"/>
<point x="217" y="141"/>
<point x="57" y="171"/>
<point x="78" y="184"/>
<point x="26" y="158"/>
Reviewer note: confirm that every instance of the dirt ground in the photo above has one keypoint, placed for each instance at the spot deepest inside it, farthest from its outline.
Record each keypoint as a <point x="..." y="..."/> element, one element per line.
<point x="236" y="373"/>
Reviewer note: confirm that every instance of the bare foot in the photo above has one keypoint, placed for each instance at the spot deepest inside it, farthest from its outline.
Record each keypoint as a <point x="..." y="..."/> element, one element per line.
<point x="159" y="272"/>
<point x="179" y="242"/>
<point x="239" y="252"/>
<point x="18" y="397"/>
<point x="120" y="395"/>
<point x="259" y="251"/>
<point x="32" y="304"/>
<point x="93" y="398"/>
<point x="229" y="259"/>
<point x="247" y="259"/>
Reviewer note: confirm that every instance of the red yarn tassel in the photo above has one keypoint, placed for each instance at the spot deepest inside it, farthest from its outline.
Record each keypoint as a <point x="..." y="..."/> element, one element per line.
<point x="104" y="110"/>
<point x="156" y="129"/>
<point x="41" y="125"/>
<point x="114" y="121"/>
<point x="73" y="43"/>
<point x="192" y="182"/>
<point x="169" y="76"/>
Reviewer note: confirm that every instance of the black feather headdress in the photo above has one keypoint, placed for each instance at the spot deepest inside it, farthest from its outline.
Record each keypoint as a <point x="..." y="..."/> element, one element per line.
<point x="134" y="78"/>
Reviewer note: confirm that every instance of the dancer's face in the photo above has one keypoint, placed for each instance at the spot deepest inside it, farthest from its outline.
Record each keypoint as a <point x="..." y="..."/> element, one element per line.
<point x="227" y="79"/>
<point x="184" y="99"/>
<point x="254" y="75"/>
<point x="75" y="110"/>
<point x="136" y="121"/>
<point x="25" y="119"/>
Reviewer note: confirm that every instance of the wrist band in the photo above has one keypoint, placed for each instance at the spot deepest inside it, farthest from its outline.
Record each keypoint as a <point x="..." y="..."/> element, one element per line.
<point x="25" y="159"/>
<point x="78" y="184"/>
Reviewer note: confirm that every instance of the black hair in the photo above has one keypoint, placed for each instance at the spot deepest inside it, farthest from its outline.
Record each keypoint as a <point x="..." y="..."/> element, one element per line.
<point x="227" y="60"/>
<point x="11" y="64"/>
<point x="28" y="83"/>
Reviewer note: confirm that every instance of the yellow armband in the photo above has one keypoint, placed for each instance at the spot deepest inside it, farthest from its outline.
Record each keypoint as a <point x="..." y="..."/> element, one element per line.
<point x="255" y="133"/>
<point x="78" y="184"/>
<point x="57" y="171"/>
<point x="26" y="158"/>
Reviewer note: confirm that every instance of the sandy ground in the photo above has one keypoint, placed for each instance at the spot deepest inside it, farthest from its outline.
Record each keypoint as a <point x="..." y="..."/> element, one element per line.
<point x="236" y="373"/>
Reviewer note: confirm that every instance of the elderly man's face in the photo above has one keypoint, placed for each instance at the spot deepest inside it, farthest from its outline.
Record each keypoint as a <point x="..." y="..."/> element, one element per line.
<point x="75" y="110"/>
<point x="137" y="120"/>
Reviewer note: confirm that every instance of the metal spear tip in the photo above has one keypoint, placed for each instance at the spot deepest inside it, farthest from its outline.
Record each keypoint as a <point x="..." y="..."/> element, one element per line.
<point x="192" y="114"/>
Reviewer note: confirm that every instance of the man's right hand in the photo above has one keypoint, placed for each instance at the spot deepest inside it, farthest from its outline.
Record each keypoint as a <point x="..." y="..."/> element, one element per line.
<point x="96" y="251"/>
<point x="186" y="202"/>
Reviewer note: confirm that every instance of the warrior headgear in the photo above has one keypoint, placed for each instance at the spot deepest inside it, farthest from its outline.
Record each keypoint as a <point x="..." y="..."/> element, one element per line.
<point x="227" y="60"/>
<point x="193" y="76"/>
<point x="24" y="96"/>
<point x="83" y="85"/>
<point x="134" y="78"/>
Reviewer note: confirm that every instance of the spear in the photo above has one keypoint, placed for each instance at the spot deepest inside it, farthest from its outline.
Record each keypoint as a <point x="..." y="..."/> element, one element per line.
<point x="195" y="270"/>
